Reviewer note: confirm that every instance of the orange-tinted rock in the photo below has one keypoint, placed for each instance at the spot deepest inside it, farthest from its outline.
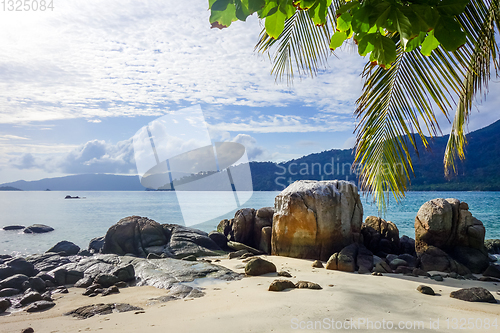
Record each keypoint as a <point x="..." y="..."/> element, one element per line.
<point x="314" y="219"/>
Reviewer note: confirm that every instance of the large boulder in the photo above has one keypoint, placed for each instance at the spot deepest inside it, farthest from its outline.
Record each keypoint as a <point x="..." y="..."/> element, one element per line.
<point x="448" y="225"/>
<point x="259" y="266"/>
<point x="16" y="266"/>
<point x="380" y="236"/>
<point x="475" y="294"/>
<point x="65" y="248"/>
<point x="15" y="281"/>
<point x="134" y="234"/>
<point x="435" y="259"/>
<point x="314" y="219"/>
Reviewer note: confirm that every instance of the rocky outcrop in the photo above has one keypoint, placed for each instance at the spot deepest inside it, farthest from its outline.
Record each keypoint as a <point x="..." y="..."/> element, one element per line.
<point x="314" y="219"/>
<point x="448" y="225"/>
<point x="65" y="248"/>
<point x="250" y="227"/>
<point x="141" y="237"/>
<point x="88" y="311"/>
<point x="37" y="229"/>
<point x="380" y="236"/>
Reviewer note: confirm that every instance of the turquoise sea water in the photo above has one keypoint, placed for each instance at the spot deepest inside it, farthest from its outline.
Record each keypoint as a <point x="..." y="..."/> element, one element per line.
<point x="81" y="220"/>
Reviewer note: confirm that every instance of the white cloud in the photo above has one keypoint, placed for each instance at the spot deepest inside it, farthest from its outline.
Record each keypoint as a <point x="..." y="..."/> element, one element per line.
<point x="12" y="137"/>
<point x="97" y="59"/>
<point x="95" y="156"/>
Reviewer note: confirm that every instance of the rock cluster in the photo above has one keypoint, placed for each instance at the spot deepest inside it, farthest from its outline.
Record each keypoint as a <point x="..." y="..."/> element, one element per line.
<point x="446" y="226"/>
<point x="141" y="237"/>
<point x="249" y="226"/>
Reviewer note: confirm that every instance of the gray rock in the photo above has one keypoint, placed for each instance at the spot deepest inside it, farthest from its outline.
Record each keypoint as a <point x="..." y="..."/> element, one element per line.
<point x="240" y="246"/>
<point x="219" y="239"/>
<point x="16" y="266"/>
<point x="30" y="298"/>
<point x="493" y="271"/>
<point x="96" y="244"/>
<point x="4" y="304"/>
<point x="6" y="292"/>
<point x="37" y="229"/>
<point x="382" y="267"/>
<point x="364" y="260"/>
<point x="189" y="258"/>
<point x="180" y="291"/>
<point x="281" y="284"/>
<point x="65" y="248"/>
<point x="188" y="241"/>
<point x="15" y="281"/>
<point x="265" y="239"/>
<point x="426" y="290"/>
<point x="437" y="277"/>
<point x="125" y="273"/>
<point x="88" y="311"/>
<point x="110" y="290"/>
<point x="407" y="245"/>
<point x="476" y="294"/>
<point x="84" y="282"/>
<point x="106" y="280"/>
<point x="259" y="266"/>
<point x="394" y="264"/>
<point x="48" y="261"/>
<point x="313" y="219"/>
<point x="37" y="284"/>
<point x="237" y="254"/>
<point x="13" y="227"/>
<point x="40" y="306"/>
<point x="410" y="260"/>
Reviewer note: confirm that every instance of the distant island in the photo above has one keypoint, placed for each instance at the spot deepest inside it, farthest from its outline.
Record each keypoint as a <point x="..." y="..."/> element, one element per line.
<point x="9" y="188"/>
<point x="479" y="172"/>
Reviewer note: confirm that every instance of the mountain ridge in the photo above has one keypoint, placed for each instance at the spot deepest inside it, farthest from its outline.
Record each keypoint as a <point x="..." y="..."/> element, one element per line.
<point x="477" y="173"/>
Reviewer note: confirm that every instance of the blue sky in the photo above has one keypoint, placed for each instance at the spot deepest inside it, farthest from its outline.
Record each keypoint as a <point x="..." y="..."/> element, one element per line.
<point x="79" y="81"/>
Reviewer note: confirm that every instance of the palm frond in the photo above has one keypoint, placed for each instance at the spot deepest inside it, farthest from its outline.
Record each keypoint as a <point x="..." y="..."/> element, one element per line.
<point x="301" y="47"/>
<point x="394" y="102"/>
<point x="483" y="56"/>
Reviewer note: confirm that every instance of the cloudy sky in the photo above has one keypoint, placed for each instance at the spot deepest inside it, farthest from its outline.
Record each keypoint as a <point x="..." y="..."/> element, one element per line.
<point x="78" y="82"/>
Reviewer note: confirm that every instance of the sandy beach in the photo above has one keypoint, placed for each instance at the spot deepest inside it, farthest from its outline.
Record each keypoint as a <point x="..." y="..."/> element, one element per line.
<point x="347" y="301"/>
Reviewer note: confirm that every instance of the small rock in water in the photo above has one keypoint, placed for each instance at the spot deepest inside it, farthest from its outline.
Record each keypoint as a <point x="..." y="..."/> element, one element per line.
<point x="281" y="284"/>
<point x="425" y="290"/>
<point x="317" y="264"/>
<point x="284" y="273"/>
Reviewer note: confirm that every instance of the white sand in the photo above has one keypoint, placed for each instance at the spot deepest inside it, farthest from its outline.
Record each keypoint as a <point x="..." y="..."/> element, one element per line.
<point x="247" y="306"/>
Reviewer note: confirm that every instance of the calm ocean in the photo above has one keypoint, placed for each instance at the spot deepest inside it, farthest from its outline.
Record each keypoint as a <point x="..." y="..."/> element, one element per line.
<point x="79" y="221"/>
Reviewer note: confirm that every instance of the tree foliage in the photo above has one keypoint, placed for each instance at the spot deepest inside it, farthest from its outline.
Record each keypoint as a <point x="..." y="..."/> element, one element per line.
<point x="431" y="54"/>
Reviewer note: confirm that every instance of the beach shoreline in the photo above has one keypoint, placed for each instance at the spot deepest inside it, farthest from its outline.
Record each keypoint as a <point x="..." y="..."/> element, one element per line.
<point x="247" y="305"/>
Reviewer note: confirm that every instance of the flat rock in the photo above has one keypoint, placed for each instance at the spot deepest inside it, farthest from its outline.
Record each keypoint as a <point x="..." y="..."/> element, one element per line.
<point x="476" y="294"/>
<point x="40" y="306"/>
<point x="88" y="311"/>
<point x="13" y="227"/>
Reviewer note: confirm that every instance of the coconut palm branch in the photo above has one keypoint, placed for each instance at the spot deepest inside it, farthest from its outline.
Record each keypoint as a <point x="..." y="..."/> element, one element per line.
<point x="398" y="106"/>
